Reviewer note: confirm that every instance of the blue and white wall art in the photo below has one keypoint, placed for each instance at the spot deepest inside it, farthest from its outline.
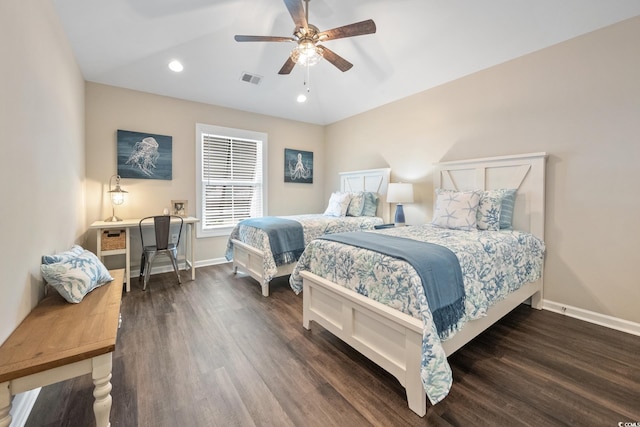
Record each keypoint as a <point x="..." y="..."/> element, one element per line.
<point x="144" y="155"/>
<point x="298" y="166"/>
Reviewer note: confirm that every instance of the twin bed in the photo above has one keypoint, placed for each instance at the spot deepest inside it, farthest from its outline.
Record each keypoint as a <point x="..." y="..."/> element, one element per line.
<point x="250" y="248"/>
<point x="376" y="302"/>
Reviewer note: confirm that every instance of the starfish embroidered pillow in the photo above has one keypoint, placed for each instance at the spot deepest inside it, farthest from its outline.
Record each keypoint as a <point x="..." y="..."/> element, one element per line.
<point x="456" y="209"/>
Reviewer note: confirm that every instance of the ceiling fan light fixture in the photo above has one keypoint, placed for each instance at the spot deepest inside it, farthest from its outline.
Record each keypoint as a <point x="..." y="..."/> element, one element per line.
<point x="307" y="36"/>
<point x="301" y="98"/>
<point x="306" y="53"/>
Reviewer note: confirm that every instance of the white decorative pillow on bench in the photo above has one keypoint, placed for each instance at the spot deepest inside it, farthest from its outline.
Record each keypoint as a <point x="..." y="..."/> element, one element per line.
<point x="74" y="276"/>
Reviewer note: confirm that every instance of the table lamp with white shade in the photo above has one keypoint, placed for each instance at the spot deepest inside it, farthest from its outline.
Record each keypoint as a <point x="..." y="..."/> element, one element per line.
<point x="399" y="193"/>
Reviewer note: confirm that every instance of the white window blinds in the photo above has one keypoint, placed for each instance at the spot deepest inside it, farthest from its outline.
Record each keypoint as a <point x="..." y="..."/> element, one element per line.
<point x="232" y="180"/>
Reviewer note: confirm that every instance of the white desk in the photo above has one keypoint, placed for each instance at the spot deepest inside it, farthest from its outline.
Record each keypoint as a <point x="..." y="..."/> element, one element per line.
<point x="127" y="225"/>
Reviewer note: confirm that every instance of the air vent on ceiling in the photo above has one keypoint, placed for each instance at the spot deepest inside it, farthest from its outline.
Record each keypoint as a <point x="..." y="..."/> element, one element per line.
<point x="251" y="78"/>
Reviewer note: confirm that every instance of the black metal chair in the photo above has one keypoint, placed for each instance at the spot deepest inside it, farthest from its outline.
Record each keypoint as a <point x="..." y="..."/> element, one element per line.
<point x="162" y="226"/>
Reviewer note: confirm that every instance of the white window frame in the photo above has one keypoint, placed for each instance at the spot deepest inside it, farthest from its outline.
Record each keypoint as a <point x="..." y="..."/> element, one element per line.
<point x="231" y="133"/>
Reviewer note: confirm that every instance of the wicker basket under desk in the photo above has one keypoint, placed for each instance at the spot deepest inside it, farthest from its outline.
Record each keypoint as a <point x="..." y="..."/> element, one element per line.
<point x="112" y="240"/>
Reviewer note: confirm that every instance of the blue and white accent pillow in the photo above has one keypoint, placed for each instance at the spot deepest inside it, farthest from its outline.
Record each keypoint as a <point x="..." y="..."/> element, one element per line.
<point x="456" y="209"/>
<point x="488" y="216"/>
<point x="356" y="205"/>
<point x="63" y="256"/>
<point x="74" y="277"/>
<point x="338" y="204"/>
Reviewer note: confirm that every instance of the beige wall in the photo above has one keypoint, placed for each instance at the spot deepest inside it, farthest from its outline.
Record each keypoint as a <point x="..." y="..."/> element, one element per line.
<point x="109" y="109"/>
<point x="580" y="102"/>
<point x="42" y="161"/>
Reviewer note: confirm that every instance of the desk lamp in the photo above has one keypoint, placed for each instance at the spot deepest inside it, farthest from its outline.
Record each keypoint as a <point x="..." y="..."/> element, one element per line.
<point x="399" y="193"/>
<point x="117" y="198"/>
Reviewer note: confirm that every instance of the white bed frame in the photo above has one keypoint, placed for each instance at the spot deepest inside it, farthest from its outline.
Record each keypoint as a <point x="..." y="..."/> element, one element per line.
<point x="393" y="339"/>
<point x="251" y="260"/>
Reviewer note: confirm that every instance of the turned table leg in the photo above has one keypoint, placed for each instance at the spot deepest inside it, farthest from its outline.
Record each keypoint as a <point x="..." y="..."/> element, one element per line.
<point x="101" y="375"/>
<point x="5" y="405"/>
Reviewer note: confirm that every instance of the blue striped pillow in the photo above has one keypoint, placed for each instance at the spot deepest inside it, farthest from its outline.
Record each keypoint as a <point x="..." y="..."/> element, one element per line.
<point x="506" y="212"/>
<point x="370" y="204"/>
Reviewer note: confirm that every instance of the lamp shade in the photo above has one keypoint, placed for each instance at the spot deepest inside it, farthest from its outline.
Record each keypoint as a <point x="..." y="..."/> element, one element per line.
<point x="400" y="192"/>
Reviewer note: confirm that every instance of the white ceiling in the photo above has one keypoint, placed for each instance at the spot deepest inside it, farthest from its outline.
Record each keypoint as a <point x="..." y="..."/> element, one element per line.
<point x="419" y="44"/>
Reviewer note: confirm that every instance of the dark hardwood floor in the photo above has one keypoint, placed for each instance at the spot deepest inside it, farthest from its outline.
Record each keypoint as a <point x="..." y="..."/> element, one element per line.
<point x="214" y="352"/>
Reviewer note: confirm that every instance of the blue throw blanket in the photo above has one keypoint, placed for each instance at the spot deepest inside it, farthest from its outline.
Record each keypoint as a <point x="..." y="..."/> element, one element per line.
<point x="286" y="237"/>
<point x="437" y="266"/>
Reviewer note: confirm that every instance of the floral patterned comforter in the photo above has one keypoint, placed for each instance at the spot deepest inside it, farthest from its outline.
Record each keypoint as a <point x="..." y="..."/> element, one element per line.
<point x="493" y="264"/>
<point x="313" y="226"/>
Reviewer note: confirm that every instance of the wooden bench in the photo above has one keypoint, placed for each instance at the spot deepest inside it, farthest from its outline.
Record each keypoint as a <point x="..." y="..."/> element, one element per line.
<point x="58" y="341"/>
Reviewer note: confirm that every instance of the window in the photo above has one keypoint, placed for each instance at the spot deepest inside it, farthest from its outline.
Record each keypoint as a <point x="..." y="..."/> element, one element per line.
<point x="231" y="178"/>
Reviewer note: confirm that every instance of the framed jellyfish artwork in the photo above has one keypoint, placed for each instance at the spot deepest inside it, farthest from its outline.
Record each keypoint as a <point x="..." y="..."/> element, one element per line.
<point x="144" y="155"/>
<point x="298" y="166"/>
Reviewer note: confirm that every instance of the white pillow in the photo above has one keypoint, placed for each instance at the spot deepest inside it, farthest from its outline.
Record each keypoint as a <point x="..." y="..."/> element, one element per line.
<point x="338" y="204"/>
<point x="456" y="209"/>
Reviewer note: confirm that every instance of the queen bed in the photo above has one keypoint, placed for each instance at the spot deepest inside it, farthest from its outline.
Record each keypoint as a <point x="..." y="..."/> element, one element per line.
<point x="376" y="302"/>
<point x="251" y="248"/>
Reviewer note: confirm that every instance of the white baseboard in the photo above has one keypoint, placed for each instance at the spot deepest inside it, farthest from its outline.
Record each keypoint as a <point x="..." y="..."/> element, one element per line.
<point x="593" y="317"/>
<point x="21" y="407"/>
<point x="166" y="267"/>
<point x="212" y="261"/>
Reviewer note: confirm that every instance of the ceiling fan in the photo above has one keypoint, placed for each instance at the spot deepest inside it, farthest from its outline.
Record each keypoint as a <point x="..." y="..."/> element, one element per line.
<point x="308" y="37"/>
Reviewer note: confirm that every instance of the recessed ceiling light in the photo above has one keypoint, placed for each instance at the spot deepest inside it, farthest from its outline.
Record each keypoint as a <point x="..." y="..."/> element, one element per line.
<point x="176" y="66"/>
<point x="302" y="97"/>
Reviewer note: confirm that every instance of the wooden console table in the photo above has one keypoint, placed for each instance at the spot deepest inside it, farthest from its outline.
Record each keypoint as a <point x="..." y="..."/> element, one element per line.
<point x="58" y="341"/>
<point x="127" y="224"/>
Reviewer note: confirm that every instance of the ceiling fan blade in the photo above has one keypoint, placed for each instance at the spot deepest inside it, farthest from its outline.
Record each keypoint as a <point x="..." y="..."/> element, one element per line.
<point x="287" y="67"/>
<point x="341" y="63"/>
<point x="241" y="38"/>
<point x="357" y="29"/>
<point x="296" y="10"/>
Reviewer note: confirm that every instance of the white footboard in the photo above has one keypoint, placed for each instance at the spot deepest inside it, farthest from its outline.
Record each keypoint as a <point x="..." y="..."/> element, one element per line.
<point x="388" y="337"/>
<point x="251" y="260"/>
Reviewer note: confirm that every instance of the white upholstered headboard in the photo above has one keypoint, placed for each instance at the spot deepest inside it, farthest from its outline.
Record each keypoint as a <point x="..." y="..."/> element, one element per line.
<point x="374" y="180"/>
<point x="526" y="172"/>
